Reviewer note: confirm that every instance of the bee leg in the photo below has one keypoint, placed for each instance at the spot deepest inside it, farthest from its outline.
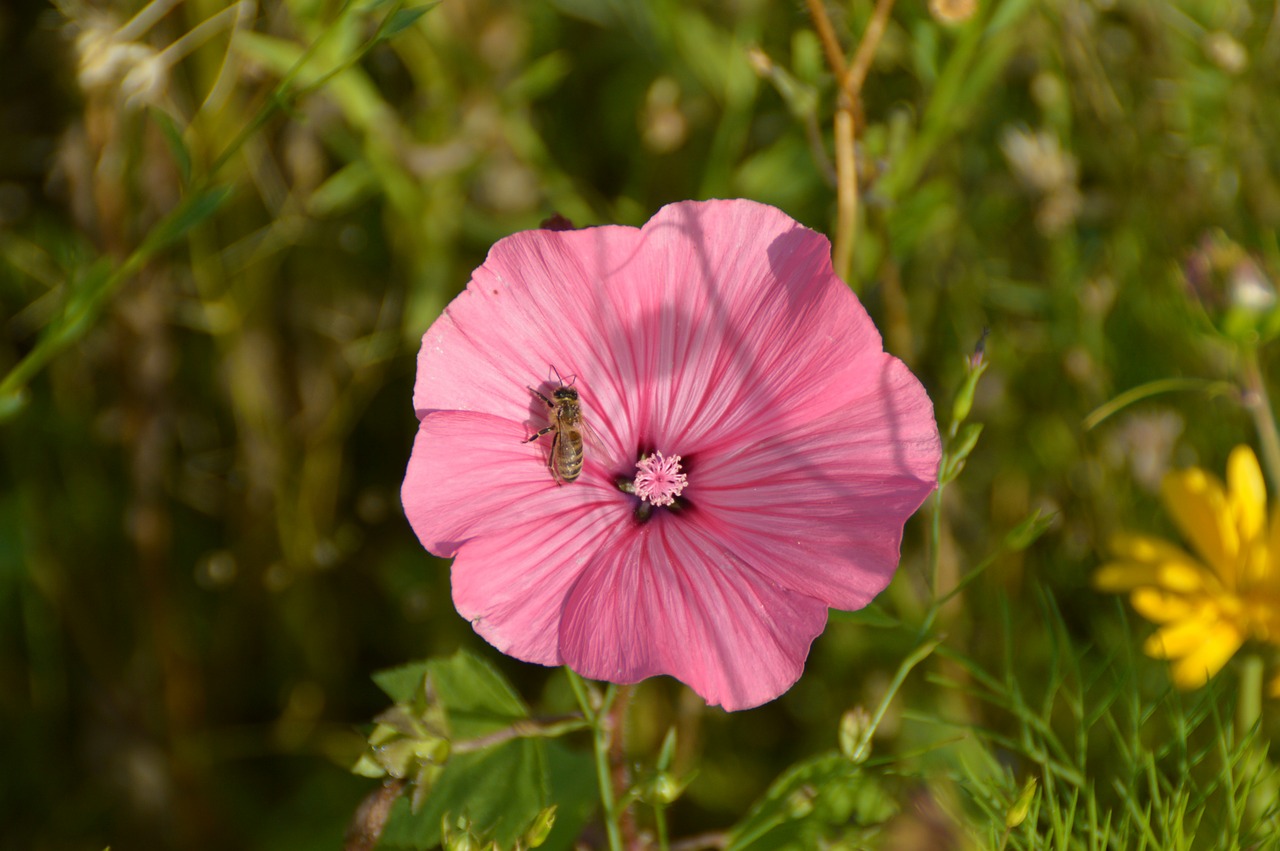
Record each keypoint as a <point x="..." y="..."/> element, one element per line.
<point x="551" y="459"/>
<point x="539" y="434"/>
<point x="544" y="399"/>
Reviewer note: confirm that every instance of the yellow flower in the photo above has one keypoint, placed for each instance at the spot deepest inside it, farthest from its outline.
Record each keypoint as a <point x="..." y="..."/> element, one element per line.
<point x="1210" y="603"/>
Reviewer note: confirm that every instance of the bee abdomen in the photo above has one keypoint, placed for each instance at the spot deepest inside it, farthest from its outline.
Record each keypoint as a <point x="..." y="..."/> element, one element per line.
<point x="569" y="456"/>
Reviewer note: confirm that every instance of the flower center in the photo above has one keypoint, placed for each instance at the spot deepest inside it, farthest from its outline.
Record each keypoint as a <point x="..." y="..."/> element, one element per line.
<point x="659" y="480"/>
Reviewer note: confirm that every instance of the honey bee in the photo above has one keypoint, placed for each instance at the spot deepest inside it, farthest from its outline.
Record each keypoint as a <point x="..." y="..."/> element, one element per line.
<point x="565" y="458"/>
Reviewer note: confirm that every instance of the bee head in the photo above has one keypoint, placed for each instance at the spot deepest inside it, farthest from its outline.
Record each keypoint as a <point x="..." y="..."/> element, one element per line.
<point x="563" y="394"/>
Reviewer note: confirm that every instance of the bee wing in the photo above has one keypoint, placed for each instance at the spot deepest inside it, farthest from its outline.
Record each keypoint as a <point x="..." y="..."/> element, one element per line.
<point x="590" y="435"/>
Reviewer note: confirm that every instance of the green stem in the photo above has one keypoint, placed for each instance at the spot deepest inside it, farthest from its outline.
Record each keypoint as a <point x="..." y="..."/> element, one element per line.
<point x="862" y="749"/>
<point x="1153" y="388"/>
<point x="1258" y="403"/>
<point x="601" y="738"/>
<point x="935" y="545"/>
<point x="660" y="823"/>
<point x="1248" y="715"/>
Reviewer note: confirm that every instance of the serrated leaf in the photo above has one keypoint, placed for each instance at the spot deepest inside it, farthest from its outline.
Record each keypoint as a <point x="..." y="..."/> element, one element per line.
<point x="500" y="789"/>
<point x="477" y="698"/>
<point x="402" y="684"/>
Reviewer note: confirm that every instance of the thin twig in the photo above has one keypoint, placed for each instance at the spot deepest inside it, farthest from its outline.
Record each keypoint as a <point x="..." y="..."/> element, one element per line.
<point x="827" y="35"/>
<point x="702" y="841"/>
<point x="1258" y="404"/>
<point x="846" y="191"/>
<point x="531" y="728"/>
<point x="371" y="816"/>
<point x="852" y="80"/>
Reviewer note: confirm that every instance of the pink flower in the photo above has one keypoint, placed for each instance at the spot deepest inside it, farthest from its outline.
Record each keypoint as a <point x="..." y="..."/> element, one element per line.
<point x="751" y="452"/>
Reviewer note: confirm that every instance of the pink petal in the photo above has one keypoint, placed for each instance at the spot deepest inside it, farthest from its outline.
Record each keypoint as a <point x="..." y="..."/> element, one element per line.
<point x="665" y="599"/>
<point x="474" y="490"/>
<point x="472" y="475"/>
<point x="819" y="507"/>
<point x="667" y="328"/>
<point x="512" y="586"/>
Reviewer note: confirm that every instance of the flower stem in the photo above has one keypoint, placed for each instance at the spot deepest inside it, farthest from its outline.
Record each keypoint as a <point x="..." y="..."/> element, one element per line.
<point x="1258" y="403"/>
<point x="935" y="546"/>
<point x="596" y="712"/>
<point x="1248" y="715"/>
<point x="660" y="823"/>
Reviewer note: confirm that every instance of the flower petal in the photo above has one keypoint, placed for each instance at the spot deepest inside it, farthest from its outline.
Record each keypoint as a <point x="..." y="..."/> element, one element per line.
<point x="473" y="474"/>
<point x="1161" y="606"/>
<point x="664" y="599"/>
<point x="1247" y="492"/>
<point x="1118" y="576"/>
<point x="675" y="331"/>
<point x="1147" y="549"/>
<point x="1198" y="504"/>
<point x="1216" y="647"/>
<point x="747" y="320"/>
<point x="512" y="586"/>
<point x="1178" y="639"/>
<point x="819" y="508"/>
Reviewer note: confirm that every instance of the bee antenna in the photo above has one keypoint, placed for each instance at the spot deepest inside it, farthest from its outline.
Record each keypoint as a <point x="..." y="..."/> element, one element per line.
<point x="557" y="372"/>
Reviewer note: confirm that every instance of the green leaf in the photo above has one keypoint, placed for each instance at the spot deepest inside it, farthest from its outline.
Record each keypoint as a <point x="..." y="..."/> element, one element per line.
<point x="501" y="790"/>
<point x="402" y="684"/>
<point x="177" y="145"/>
<point x="193" y="210"/>
<point x="813" y="802"/>
<point x="402" y="19"/>
<point x="1029" y="530"/>
<point x="958" y="452"/>
<point x="477" y="698"/>
<point x="572" y="778"/>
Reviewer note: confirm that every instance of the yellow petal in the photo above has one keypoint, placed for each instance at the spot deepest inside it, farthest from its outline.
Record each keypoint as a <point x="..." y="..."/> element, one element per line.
<point x="1177" y="639"/>
<point x="1257" y="563"/>
<point x="1160" y="606"/>
<point x="1146" y="548"/>
<point x="1273" y="543"/>
<point x="1120" y="576"/>
<point x="1219" y="644"/>
<point x="1248" y="492"/>
<point x="1273" y="687"/>
<point x="1198" y="504"/>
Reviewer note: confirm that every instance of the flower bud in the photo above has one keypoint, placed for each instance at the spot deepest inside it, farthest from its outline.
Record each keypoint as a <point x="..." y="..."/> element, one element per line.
<point x="1018" y="812"/>
<point x="1238" y="296"/>
<point x="540" y="829"/>
<point x="456" y="835"/>
<point x="800" y="802"/>
<point x="952" y="12"/>
<point x="854" y="726"/>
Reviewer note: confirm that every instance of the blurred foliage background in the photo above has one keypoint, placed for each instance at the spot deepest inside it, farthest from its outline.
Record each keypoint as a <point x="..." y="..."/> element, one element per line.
<point x="224" y="228"/>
